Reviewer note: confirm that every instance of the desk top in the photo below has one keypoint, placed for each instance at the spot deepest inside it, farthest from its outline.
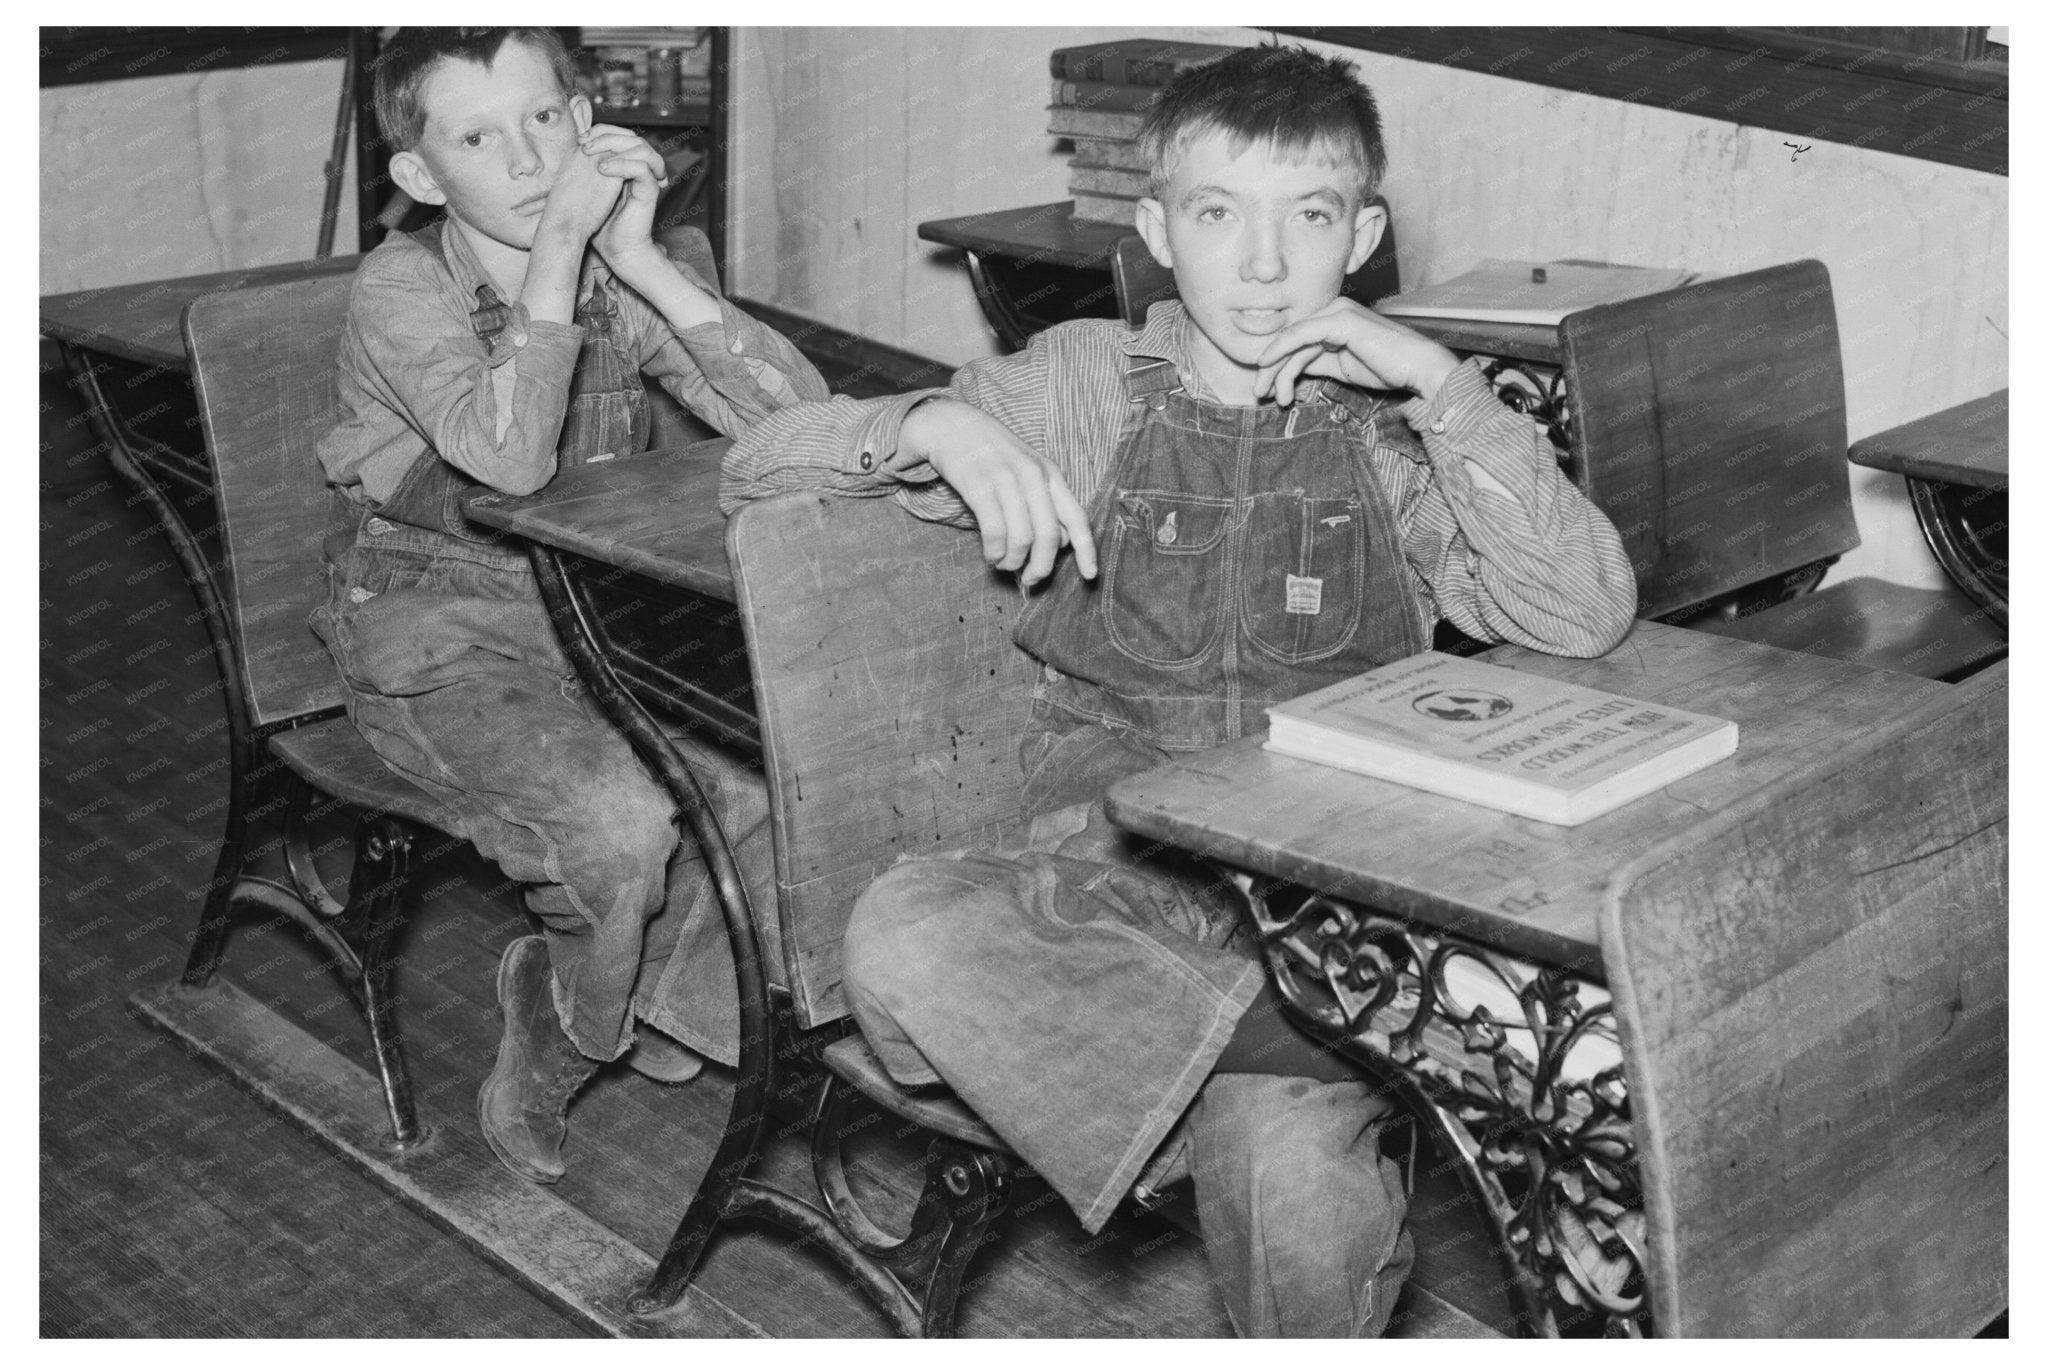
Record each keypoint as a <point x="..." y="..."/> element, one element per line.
<point x="1538" y="342"/>
<point x="1037" y="232"/>
<point x="143" y="322"/>
<point x="1519" y="884"/>
<point x="655" y="513"/>
<point x="1967" y="444"/>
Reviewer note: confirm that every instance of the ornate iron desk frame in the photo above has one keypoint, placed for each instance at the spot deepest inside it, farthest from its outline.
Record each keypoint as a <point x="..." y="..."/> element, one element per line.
<point x="1549" y="1158"/>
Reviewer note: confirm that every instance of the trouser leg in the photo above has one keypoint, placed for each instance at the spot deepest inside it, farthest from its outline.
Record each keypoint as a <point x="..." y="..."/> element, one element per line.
<point x="687" y="986"/>
<point x="1301" y="1215"/>
<point x="549" y="791"/>
<point x="1055" y="996"/>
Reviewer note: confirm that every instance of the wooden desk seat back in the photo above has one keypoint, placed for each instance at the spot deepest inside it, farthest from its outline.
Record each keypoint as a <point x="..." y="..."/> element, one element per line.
<point x="1141" y="281"/>
<point x="1811" y="989"/>
<point x="263" y="364"/>
<point x="891" y="703"/>
<point x="1709" y="426"/>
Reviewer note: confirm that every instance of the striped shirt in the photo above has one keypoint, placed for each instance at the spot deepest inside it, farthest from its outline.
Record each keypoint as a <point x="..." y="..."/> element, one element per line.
<point x="1515" y="553"/>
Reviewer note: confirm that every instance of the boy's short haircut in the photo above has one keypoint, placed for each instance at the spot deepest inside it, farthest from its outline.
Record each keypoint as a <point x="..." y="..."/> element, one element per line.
<point x="411" y="55"/>
<point x="1286" y="98"/>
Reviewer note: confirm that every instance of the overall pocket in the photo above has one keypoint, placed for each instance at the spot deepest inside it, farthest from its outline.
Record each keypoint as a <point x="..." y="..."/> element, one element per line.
<point x="1304" y="587"/>
<point x="1163" y="591"/>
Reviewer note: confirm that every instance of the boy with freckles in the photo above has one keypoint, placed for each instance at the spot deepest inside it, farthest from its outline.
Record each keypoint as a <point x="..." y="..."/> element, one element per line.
<point x="492" y="348"/>
<point x="1265" y="489"/>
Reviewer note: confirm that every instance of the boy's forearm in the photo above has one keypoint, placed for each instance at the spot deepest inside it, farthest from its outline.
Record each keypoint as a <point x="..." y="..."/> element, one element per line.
<point x="1527" y="557"/>
<point x="552" y="270"/>
<point x="681" y="303"/>
<point x="830" y="445"/>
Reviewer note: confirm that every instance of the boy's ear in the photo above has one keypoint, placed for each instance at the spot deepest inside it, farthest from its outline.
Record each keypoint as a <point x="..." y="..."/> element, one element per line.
<point x="1370" y="226"/>
<point x="581" y="113"/>
<point x="410" y="173"/>
<point x="1152" y="227"/>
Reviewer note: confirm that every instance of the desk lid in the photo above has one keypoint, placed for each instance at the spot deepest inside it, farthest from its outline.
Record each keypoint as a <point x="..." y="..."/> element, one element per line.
<point x="1528" y="887"/>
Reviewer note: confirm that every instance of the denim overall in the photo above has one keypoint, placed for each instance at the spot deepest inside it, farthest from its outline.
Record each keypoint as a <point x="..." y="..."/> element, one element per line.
<point x="1076" y="988"/>
<point x="456" y="679"/>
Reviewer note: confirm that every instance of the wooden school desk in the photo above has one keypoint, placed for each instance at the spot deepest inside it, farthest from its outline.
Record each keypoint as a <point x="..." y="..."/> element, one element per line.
<point x="1805" y="946"/>
<point x="1841" y="879"/>
<point x="125" y="350"/>
<point x="672" y="636"/>
<point x="1955" y="463"/>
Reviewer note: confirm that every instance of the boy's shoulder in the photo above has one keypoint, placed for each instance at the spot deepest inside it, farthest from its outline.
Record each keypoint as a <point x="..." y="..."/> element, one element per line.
<point x="1110" y="339"/>
<point x="400" y="271"/>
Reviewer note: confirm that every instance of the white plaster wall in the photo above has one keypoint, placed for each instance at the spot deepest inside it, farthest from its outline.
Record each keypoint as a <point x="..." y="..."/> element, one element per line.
<point x="162" y="176"/>
<point x="845" y="139"/>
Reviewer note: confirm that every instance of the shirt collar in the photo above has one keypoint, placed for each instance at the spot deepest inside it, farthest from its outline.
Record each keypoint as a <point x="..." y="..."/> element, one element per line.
<point x="470" y="274"/>
<point x="1163" y="337"/>
<point x="1166" y="336"/>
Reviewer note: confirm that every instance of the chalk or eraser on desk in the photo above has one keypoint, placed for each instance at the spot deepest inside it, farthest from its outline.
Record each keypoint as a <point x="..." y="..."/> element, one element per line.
<point x="1537" y="275"/>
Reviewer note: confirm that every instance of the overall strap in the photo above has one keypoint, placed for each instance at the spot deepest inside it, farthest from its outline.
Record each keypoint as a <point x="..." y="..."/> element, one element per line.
<point x="1149" y="377"/>
<point x="430" y="494"/>
<point x="1361" y="402"/>
<point x="491" y="314"/>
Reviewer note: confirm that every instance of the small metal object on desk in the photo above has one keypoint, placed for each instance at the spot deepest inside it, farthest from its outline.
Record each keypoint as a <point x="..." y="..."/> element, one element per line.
<point x="1539" y="275"/>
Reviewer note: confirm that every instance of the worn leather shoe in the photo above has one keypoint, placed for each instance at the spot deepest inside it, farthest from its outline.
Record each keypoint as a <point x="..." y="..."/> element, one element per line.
<point x="524" y="1105"/>
<point x="659" y="1057"/>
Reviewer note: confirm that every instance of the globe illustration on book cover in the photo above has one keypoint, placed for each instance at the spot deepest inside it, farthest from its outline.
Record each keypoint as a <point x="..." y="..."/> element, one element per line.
<point x="1463" y="704"/>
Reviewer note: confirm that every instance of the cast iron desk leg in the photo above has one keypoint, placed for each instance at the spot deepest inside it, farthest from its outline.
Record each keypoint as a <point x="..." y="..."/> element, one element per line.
<point x="1546" y="1150"/>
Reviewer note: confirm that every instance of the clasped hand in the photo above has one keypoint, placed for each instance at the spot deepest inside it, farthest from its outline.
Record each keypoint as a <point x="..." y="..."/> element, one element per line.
<point x="1350" y="343"/>
<point x="605" y="194"/>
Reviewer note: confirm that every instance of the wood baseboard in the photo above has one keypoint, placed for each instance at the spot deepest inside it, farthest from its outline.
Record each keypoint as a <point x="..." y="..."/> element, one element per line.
<point x="582" y="1268"/>
<point x="852" y="365"/>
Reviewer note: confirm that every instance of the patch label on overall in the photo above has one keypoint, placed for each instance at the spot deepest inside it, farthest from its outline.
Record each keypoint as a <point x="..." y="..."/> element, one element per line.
<point x="1304" y="595"/>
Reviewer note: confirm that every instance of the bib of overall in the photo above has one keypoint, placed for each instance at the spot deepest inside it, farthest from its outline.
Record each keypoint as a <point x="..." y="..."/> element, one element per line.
<point x="1076" y="987"/>
<point x="1248" y="555"/>
<point x="457" y="680"/>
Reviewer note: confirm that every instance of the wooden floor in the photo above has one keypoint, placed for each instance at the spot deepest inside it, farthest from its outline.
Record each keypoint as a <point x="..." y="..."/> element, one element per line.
<point x="173" y="1204"/>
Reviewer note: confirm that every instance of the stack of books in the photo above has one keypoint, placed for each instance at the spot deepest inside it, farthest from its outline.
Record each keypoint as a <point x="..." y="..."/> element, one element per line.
<point x="1100" y="93"/>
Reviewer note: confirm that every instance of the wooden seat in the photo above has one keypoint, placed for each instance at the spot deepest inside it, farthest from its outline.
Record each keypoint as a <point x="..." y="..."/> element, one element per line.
<point x="1851" y="985"/>
<point x="1934" y="632"/>
<point x="853" y="1061"/>
<point x="1709" y="424"/>
<point x="334" y="757"/>
<point x="1141" y="281"/>
<point x="891" y="702"/>
<point x="263" y="364"/>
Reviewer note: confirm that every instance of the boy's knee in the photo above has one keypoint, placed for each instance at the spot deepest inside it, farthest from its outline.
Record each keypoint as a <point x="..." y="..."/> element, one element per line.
<point x="628" y="824"/>
<point x="889" y="934"/>
<point x="1273" y="1140"/>
<point x="912" y="926"/>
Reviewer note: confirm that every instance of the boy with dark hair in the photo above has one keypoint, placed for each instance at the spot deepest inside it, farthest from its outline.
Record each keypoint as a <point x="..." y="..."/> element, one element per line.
<point x="492" y="348"/>
<point x="1270" y="517"/>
